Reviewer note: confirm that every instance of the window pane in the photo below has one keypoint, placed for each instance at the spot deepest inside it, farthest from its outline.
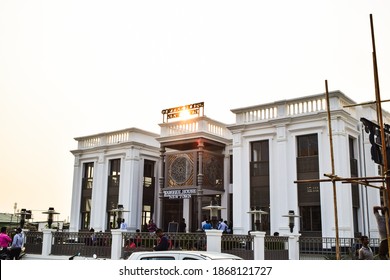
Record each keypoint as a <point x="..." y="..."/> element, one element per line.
<point x="307" y="145"/>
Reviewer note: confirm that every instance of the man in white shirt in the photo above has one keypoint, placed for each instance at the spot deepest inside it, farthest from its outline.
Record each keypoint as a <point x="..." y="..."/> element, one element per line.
<point x="381" y="221"/>
<point x="17" y="244"/>
<point x="222" y="226"/>
<point x="123" y="224"/>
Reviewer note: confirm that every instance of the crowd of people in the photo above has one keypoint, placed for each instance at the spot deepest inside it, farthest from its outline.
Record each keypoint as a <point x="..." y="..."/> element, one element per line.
<point x="222" y="225"/>
<point x="11" y="248"/>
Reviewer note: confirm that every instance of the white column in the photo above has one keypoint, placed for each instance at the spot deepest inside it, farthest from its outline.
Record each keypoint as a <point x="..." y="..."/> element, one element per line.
<point x="342" y="168"/>
<point x="293" y="247"/>
<point x="76" y="193"/>
<point x="282" y="189"/>
<point x="129" y="187"/>
<point x="116" y="245"/>
<point x="214" y="240"/>
<point x="46" y="242"/>
<point x="99" y="195"/>
<point x="186" y="213"/>
<point x="241" y="220"/>
<point x="258" y="244"/>
<point x="226" y="183"/>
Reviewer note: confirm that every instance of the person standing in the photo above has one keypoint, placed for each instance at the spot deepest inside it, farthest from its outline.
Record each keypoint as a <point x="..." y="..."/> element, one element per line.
<point x="5" y="240"/>
<point x="152" y="226"/>
<point x="123" y="225"/>
<point x="222" y="226"/>
<point x="207" y="225"/>
<point x="182" y="225"/>
<point x="17" y="244"/>
<point x="162" y="243"/>
<point x="365" y="252"/>
<point x="138" y="238"/>
<point x="203" y="221"/>
<point x="381" y="221"/>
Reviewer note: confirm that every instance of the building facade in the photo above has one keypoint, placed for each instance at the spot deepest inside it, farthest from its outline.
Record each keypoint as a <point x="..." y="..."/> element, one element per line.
<point x="272" y="158"/>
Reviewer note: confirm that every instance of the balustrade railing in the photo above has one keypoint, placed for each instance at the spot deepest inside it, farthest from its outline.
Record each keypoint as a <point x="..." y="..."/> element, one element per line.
<point x="293" y="107"/>
<point x="202" y="124"/>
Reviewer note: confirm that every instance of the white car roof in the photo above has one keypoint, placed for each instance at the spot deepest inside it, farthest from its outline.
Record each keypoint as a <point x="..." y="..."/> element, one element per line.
<point x="203" y="254"/>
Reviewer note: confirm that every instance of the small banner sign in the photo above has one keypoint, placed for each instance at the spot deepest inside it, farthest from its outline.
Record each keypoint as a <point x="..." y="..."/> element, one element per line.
<point x="179" y="194"/>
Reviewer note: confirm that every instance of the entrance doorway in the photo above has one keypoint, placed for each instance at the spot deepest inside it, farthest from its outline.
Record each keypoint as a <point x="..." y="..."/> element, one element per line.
<point x="172" y="211"/>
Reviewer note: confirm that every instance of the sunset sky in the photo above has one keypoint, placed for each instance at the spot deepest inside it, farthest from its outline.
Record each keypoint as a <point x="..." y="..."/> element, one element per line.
<point x="75" y="68"/>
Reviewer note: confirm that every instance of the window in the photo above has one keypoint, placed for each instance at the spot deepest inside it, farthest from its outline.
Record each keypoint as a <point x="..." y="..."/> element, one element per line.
<point x="88" y="175"/>
<point x="113" y="192"/>
<point x="355" y="187"/>
<point x="148" y="191"/>
<point x="308" y="193"/>
<point x="307" y="145"/>
<point x="86" y="195"/>
<point x="310" y="218"/>
<point x="259" y="181"/>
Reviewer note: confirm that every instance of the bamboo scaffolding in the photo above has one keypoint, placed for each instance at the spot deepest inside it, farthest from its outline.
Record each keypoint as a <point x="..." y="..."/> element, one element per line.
<point x="361" y="181"/>
<point x="336" y="220"/>
<point x="364" y="103"/>
<point x="385" y="171"/>
<point x="332" y="177"/>
<point x="384" y="179"/>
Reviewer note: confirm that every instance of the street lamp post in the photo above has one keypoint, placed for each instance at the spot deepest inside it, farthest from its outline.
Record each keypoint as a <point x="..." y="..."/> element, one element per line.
<point x="50" y="214"/>
<point x="213" y="212"/>
<point x="119" y="211"/>
<point x="291" y="219"/>
<point x="24" y="214"/>
<point x="257" y="213"/>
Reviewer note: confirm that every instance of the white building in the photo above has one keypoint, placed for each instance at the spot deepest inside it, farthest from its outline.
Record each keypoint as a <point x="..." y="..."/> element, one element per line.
<point x="253" y="163"/>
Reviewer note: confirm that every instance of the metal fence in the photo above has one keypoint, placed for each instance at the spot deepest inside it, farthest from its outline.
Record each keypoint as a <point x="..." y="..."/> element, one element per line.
<point x="145" y="241"/>
<point x="85" y="243"/>
<point x="324" y="248"/>
<point x="33" y="242"/>
<point x="276" y="248"/>
<point x="239" y="245"/>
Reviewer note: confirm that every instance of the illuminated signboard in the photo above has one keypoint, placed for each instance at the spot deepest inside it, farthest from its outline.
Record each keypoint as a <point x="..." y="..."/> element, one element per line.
<point x="184" y="112"/>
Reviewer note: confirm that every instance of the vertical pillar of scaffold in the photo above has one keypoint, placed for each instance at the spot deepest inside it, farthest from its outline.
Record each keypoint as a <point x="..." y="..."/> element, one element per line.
<point x="336" y="221"/>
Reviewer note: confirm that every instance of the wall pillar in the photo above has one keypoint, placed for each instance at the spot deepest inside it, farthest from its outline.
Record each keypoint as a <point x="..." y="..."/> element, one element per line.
<point x="46" y="242"/>
<point x="200" y="183"/>
<point x="258" y="244"/>
<point x="116" y="245"/>
<point x="214" y="237"/>
<point x="293" y="247"/>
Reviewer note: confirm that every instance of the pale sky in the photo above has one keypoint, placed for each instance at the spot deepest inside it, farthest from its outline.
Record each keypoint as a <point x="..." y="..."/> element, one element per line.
<point x="75" y="68"/>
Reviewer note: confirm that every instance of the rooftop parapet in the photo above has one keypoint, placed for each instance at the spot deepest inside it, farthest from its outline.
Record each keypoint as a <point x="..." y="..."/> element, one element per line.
<point x="294" y="107"/>
<point x="195" y="125"/>
<point x="117" y="137"/>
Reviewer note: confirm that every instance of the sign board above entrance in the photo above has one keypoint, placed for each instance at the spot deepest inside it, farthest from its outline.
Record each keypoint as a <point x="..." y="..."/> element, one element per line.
<point x="179" y="194"/>
<point x="183" y="112"/>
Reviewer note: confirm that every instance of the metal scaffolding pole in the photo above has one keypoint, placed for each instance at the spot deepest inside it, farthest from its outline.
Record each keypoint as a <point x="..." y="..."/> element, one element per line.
<point x="336" y="220"/>
<point x="385" y="171"/>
